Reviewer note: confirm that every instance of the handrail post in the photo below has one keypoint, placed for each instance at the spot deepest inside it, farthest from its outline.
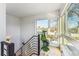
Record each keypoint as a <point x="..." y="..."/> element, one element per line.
<point x="38" y="44"/>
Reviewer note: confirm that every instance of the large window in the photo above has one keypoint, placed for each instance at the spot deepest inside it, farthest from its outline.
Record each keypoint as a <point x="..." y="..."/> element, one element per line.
<point x="73" y="21"/>
<point x="51" y="26"/>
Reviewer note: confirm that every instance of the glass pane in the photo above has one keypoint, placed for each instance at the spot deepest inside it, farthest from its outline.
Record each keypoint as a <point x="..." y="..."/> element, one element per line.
<point x="42" y="25"/>
<point x="53" y="29"/>
<point x="73" y="21"/>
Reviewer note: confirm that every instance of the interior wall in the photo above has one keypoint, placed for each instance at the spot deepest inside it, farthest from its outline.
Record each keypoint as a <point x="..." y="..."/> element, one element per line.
<point x="2" y="22"/>
<point x="13" y="30"/>
<point x="27" y="28"/>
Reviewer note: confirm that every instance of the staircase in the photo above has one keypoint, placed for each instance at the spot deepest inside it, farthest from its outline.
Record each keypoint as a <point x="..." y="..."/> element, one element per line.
<point x="31" y="47"/>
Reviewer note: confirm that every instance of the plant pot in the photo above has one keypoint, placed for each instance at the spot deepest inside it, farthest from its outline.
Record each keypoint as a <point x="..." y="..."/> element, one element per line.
<point x="45" y="46"/>
<point x="45" y="43"/>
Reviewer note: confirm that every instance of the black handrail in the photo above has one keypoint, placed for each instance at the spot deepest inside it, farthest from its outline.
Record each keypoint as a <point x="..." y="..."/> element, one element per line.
<point x="28" y="41"/>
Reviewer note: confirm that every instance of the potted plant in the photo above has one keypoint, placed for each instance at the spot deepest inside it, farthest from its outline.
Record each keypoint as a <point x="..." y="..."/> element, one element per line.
<point x="45" y="42"/>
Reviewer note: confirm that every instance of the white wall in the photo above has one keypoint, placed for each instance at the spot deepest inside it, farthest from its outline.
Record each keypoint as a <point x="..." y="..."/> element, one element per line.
<point x="2" y="23"/>
<point x="27" y="28"/>
<point x="13" y="30"/>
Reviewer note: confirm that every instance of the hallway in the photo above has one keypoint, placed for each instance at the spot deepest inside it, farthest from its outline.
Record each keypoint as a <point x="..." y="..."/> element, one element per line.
<point x="40" y="29"/>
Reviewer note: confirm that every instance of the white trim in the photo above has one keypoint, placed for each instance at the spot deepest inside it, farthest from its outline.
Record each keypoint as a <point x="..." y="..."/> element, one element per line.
<point x="65" y="9"/>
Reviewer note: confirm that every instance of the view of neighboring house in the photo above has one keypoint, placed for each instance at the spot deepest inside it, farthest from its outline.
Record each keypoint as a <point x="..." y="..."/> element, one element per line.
<point x="39" y="29"/>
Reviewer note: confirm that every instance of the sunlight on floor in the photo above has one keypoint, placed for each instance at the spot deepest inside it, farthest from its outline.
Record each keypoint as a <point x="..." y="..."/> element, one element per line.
<point x="52" y="52"/>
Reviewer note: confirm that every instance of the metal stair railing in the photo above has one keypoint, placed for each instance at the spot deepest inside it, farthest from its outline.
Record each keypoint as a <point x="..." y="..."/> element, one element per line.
<point x="32" y="46"/>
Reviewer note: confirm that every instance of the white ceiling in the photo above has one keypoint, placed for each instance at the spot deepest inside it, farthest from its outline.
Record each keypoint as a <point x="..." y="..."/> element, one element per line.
<point x="28" y="9"/>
